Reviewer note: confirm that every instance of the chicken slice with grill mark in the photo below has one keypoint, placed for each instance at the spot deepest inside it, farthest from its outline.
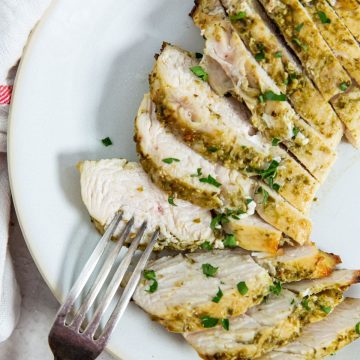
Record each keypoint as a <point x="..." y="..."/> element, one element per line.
<point x="186" y="292"/>
<point x="304" y="38"/>
<point x="324" y="338"/>
<point x="274" y="322"/>
<point x="108" y="186"/>
<point x="190" y="109"/>
<point x="251" y="84"/>
<point x="232" y="192"/>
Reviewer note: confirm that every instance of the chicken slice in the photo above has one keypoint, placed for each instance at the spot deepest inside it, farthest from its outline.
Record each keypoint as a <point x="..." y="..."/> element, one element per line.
<point x="108" y="186"/>
<point x="186" y="292"/>
<point x="231" y="191"/>
<point x="349" y="12"/>
<point x="304" y="38"/>
<point x="324" y="338"/>
<point x="271" y="324"/>
<point x="336" y="34"/>
<point x="274" y="118"/>
<point x="190" y="109"/>
<point x="257" y="33"/>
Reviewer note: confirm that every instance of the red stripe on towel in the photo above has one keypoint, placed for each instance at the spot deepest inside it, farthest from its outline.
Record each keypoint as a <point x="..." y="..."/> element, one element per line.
<point x="5" y="94"/>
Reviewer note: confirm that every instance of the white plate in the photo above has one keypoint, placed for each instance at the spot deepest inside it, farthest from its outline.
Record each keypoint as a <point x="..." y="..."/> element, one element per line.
<point x="81" y="79"/>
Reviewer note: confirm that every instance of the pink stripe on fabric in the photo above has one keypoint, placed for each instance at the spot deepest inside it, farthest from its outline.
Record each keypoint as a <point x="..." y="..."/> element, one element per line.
<point x="5" y="94"/>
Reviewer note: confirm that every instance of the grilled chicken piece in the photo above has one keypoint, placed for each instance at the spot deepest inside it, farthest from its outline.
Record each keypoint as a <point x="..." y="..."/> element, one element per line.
<point x="349" y="12"/>
<point x="297" y="263"/>
<point x="347" y="106"/>
<point x="187" y="105"/>
<point x="271" y="324"/>
<point x="184" y="177"/>
<point x="108" y="186"/>
<point x="186" y="291"/>
<point x="324" y="338"/>
<point x="257" y="33"/>
<point x="251" y="84"/>
<point x="303" y="37"/>
<point x="337" y="36"/>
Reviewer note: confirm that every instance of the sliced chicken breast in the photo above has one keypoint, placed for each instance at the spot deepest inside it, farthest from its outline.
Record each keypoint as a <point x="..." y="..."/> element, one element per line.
<point x="271" y="324"/>
<point x="349" y="12"/>
<point x="108" y="186"/>
<point x="272" y="115"/>
<point x="181" y="172"/>
<point x="304" y="38"/>
<point x="189" y="293"/>
<point x="336" y="34"/>
<point x="261" y="40"/>
<point x="324" y="338"/>
<point x="190" y="109"/>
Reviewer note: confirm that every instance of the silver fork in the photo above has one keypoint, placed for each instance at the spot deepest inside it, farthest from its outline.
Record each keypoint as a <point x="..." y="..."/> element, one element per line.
<point x="77" y="341"/>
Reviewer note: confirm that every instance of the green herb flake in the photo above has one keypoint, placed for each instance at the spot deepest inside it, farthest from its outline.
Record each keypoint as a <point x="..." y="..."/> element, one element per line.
<point x="239" y="16"/>
<point x="208" y="321"/>
<point x="230" y="241"/>
<point x="249" y="200"/>
<point x="299" y="27"/>
<point x="264" y="193"/>
<point x="198" y="173"/>
<point x="171" y="201"/>
<point x="261" y="54"/>
<point x="278" y="54"/>
<point x="305" y="304"/>
<point x="199" y="72"/>
<point x="242" y="288"/>
<point x="206" y="245"/>
<point x="326" y="309"/>
<point x="106" y="141"/>
<point x="357" y="328"/>
<point x="292" y="302"/>
<point x="225" y="324"/>
<point x="276" y="288"/>
<point x="298" y="42"/>
<point x="218" y="296"/>
<point x="295" y="132"/>
<point x="210" y="180"/>
<point x="198" y="55"/>
<point x="275" y="142"/>
<point x="170" y="160"/>
<point x="151" y="276"/>
<point x="271" y="96"/>
<point x="343" y="86"/>
<point x="275" y="187"/>
<point x="323" y="18"/>
<point x="209" y="270"/>
<point x="212" y="149"/>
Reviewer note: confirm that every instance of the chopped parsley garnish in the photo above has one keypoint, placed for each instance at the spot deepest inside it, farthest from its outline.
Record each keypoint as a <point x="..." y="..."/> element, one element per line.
<point x="261" y="54"/>
<point x="264" y="193"/>
<point x="290" y="79"/>
<point x="218" y="296"/>
<point x="198" y="55"/>
<point x="278" y="54"/>
<point x="239" y="16"/>
<point x="268" y="174"/>
<point x="275" y="186"/>
<point x="343" y="86"/>
<point x="171" y="201"/>
<point x="275" y="142"/>
<point x="271" y="96"/>
<point x="151" y="276"/>
<point x="242" y="288"/>
<point x="357" y="328"/>
<point x="209" y="322"/>
<point x="210" y="180"/>
<point x="295" y="132"/>
<point x="106" y="141"/>
<point x="326" y="309"/>
<point x="170" y="160"/>
<point x="229" y="241"/>
<point x="249" y="200"/>
<point x="298" y="42"/>
<point x="200" y="72"/>
<point x="206" y="245"/>
<point x="276" y="287"/>
<point x="198" y="173"/>
<point x="225" y="324"/>
<point x="212" y="149"/>
<point x="305" y="304"/>
<point x="292" y="302"/>
<point x="323" y="18"/>
<point x="299" y="27"/>
<point x="209" y="270"/>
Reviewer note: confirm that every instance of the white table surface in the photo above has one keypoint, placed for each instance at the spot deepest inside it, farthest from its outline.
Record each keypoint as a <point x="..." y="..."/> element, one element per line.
<point x="29" y="340"/>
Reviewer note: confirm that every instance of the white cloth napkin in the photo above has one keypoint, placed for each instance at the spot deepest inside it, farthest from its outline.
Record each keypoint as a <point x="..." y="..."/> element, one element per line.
<point x="17" y="18"/>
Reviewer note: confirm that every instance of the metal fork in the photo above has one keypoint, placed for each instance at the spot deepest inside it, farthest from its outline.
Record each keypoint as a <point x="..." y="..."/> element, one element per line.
<point x="77" y="341"/>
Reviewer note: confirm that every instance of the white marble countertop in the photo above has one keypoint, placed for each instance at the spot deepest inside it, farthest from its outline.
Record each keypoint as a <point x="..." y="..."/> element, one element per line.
<point x="29" y="340"/>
